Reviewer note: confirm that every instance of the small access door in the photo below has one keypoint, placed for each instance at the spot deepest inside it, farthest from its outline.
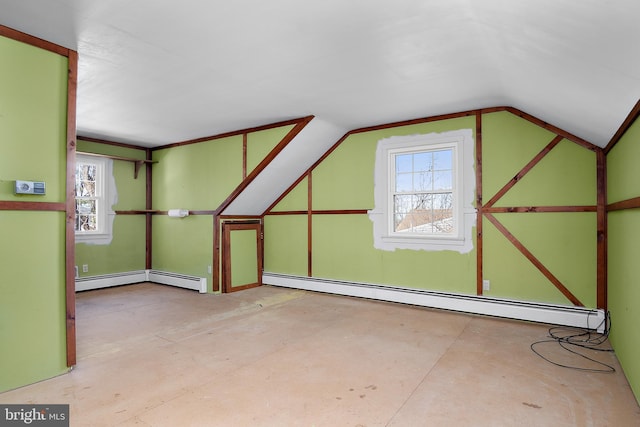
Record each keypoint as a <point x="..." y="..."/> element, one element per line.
<point x="241" y="255"/>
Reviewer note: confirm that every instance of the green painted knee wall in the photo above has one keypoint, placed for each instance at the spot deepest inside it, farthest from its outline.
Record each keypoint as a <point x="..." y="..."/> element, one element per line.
<point x="33" y="115"/>
<point x="623" y="183"/>
<point x="342" y="244"/>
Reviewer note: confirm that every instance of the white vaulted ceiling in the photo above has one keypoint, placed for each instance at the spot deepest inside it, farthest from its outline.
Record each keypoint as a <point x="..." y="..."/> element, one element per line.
<point x="153" y="72"/>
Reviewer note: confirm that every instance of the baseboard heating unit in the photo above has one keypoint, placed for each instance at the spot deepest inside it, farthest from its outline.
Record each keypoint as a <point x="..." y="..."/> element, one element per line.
<point x="108" y="280"/>
<point x="127" y="278"/>
<point x="521" y="310"/>
<point x="181" y="280"/>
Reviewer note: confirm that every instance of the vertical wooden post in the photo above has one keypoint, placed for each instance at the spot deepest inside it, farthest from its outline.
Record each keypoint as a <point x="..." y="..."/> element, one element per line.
<point x="309" y="226"/>
<point x="70" y="233"/>
<point x="602" y="229"/>
<point x="215" y="272"/>
<point x="479" y="213"/>
<point x="244" y="155"/>
<point x="148" y="215"/>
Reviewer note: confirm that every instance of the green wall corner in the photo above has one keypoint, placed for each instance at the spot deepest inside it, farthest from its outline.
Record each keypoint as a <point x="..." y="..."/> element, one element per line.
<point x="623" y="238"/>
<point x="183" y="245"/>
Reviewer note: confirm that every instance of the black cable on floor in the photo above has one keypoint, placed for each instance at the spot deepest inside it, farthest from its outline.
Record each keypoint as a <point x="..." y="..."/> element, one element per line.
<point x="572" y="339"/>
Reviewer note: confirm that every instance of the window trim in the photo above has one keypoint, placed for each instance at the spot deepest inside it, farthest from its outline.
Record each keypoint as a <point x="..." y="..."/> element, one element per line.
<point x="107" y="197"/>
<point x="464" y="190"/>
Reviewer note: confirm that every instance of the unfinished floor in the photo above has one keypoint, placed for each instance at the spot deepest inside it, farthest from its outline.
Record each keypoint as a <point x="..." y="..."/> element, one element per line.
<point x="153" y="355"/>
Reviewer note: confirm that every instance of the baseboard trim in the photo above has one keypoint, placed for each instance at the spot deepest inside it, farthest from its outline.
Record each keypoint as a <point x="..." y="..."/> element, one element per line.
<point x="520" y="310"/>
<point x="130" y="277"/>
<point x="180" y="280"/>
<point x="109" y="280"/>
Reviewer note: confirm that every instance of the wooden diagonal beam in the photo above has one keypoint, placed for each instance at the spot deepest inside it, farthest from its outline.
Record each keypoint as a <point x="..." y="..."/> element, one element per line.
<point x="571" y="137"/>
<point x="509" y="185"/>
<point x="633" y="203"/>
<point x="264" y="163"/>
<point x="544" y="270"/>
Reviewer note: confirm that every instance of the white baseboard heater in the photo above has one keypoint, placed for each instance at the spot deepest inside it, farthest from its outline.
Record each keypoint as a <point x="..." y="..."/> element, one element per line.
<point x="130" y="277"/>
<point x="181" y="280"/>
<point x="521" y="310"/>
<point x="108" y="280"/>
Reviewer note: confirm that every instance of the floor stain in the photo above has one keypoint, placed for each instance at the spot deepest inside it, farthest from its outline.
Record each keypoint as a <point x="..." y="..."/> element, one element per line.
<point x="532" y="405"/>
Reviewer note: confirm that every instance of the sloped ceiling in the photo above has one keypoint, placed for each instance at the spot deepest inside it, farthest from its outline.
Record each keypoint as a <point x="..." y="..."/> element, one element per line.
<point x="153" y="72"/>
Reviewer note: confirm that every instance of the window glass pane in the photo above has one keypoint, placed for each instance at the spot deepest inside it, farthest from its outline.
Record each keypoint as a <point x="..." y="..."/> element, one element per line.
<point x="86" y="215"/>
<point x="422" y="213"/>
<point x="404" y="182"/>
<point x="443" y="180"/>
<point x="85" y="206"/>
<point x="443" y="201"/>
<point x="422" y="201"/>
<point x="420" y="221"/>
<point x="403" y="163"/>
<point x="86" y="223"/>
<point x="402" y="204"/>
<point x="402" y="207"/>
<point x="397" y="222"/>
<point x="422" y="162"/>
<point x="413" y="213"/>
<point x="86" y="172"/>
<point x="86" y="180"/>
<point x="443" y="213"/>
<point x="86" y="189"/>
<point x="442" y="160"/>
<point x="423" y="181"/>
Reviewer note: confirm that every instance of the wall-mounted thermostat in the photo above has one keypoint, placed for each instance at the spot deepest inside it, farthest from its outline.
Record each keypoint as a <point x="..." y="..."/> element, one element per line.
<point x="29" y="187"/>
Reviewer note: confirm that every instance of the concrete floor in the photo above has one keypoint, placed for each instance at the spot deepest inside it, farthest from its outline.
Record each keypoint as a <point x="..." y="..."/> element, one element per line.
<point x="153" y="355"/>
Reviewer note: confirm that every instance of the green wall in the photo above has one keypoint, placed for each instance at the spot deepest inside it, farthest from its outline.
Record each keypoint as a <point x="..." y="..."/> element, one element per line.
<point x="197" y="177"/>
<point x="564" y="242"/>
<point x="623" y="182"/>
<point x="127" y="250"/>
<point x="33" y="108"/>
<point x="342" y="244"/>
<point x="200" y="177"/>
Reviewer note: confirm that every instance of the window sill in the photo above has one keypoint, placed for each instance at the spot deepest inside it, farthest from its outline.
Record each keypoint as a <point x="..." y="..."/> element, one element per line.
<point x="424" y="240"/>
<point x="94" y="239"/>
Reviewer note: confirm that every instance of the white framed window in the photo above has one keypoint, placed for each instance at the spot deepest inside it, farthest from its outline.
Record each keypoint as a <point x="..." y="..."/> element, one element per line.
<point x="95" y="195"/>
<point x="424" y="190"/>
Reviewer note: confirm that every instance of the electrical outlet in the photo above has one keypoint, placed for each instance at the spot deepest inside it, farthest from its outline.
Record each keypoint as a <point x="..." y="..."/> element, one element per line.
<point x="486" y="285"/>
<point x="77" y="274"/>
<point x="85" y="268"/>
<point x="209" y="269"/>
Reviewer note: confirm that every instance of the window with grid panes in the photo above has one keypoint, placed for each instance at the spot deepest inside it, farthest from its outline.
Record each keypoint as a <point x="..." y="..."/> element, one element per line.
<point x="424" y="192"/>
<point x="94" y="195"/>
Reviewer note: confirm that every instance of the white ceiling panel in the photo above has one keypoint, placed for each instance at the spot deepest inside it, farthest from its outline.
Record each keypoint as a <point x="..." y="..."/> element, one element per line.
<point x="153" y="72"/>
